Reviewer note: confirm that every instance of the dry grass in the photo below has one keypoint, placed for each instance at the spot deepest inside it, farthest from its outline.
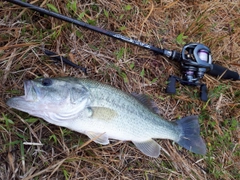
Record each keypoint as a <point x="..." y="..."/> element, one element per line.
<point x="58" y="153"/>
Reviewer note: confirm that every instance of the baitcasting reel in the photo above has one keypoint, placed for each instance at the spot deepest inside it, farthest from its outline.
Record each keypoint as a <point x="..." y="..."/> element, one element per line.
<point x="195" y="58"/>
<point x="195" y="61"/>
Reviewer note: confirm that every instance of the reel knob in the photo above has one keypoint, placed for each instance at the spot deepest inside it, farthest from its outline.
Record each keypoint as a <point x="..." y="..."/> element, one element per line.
<point x="171" y="87"/>
<point x="203" y="93"/>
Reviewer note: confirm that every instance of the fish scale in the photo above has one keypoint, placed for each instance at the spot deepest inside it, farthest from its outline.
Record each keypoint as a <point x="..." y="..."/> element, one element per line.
<point x="103" y="112"/>
<point x="131" y="110"/>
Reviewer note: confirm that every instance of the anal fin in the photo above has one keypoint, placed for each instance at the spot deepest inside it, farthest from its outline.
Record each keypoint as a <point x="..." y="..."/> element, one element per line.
<point x="150" y="147"/>
<point x="100" y="138"/>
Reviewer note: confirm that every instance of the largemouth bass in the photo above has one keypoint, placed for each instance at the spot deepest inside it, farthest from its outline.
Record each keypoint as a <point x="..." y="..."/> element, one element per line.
<point x="103" y="112"/>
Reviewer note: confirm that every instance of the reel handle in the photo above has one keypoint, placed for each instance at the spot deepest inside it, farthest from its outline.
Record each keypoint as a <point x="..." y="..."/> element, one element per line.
<point x="171" y="87"/>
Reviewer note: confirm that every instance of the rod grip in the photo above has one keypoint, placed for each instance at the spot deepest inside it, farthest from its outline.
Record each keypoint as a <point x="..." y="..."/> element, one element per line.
<point x="218" y="70"/>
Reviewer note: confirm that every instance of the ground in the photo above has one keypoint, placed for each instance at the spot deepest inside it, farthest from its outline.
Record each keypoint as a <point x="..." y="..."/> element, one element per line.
<point x="30" y="148"/>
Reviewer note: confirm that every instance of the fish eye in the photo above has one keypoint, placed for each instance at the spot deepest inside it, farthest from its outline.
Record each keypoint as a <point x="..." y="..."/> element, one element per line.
<point x="47" y="82"/>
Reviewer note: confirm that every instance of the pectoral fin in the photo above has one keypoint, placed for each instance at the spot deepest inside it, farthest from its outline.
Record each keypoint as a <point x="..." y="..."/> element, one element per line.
<point x="150" y="148"/>
<point x="100" y="138"/>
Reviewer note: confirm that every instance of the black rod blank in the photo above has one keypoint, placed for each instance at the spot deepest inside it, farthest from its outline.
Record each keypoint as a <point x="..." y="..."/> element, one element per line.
<point x="88" y="26"/>
<point x="215" y="71"/>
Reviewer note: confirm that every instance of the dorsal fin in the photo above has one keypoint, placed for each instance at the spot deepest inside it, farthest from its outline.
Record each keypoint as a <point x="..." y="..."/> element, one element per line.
<point x="146" y="101"/>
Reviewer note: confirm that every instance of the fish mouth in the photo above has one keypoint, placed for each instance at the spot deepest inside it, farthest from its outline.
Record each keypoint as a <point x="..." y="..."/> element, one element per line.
<point x="22" y="102"/>
<point x="30" y="93"/>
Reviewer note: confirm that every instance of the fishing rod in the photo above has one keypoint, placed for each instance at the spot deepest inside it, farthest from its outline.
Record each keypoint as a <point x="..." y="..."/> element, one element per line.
<point x="195" y="58"/>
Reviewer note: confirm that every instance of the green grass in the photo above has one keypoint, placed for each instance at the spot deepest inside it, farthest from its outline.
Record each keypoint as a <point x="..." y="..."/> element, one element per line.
<point x="69" y="155"/>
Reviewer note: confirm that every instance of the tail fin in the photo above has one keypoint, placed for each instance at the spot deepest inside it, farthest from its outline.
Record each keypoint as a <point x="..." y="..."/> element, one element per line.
<point x="190" y="137"/>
